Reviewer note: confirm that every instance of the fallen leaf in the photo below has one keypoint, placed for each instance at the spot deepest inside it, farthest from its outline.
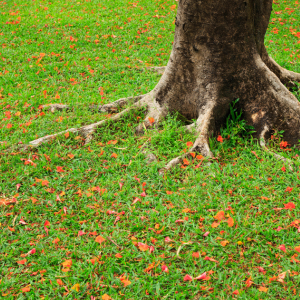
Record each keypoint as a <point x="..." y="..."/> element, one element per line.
<point x="168" y="240"/>
<point x="151" y="120"/>
<point x="143" y="247"/>
<point x="125" y="281"/>
<point x="106" y="297"/>
<point x="99" y="239"/>
<point x="220" y="216"/>
<point x="290" y="206"/>
<point x="230" y="222"/>
<point x="67" y="263"/>
<point x="282" y="247"/>
<point x="297" y="249"/>
<point x="22" y="262"/>
<point x="25" y="289"/>
<point x="59" y="282"/>
<point x="215" y="224"/>
<point x="224" y="243"/>
<point x="60" y="169"/>
<point x="202" y="277"/>
<point x="249" y="282"/>
<point x="75" y="287"/>
<point x="281" y="277"/>
<point x="210" y="259"/>
<point x="55" y="241"/>
<point x="263" y="289"/>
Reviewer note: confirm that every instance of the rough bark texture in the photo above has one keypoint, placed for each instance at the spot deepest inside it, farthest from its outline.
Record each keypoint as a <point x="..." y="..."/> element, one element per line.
<point x="219" y="56"/>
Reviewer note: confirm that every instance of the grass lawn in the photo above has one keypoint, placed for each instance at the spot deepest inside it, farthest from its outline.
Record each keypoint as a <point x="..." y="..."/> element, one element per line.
<point x="95" y="221"/>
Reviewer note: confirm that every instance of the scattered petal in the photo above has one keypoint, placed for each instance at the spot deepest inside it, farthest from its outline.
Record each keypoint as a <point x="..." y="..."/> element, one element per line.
<point x="187" y="278"/>
<point x="282" y="247"/>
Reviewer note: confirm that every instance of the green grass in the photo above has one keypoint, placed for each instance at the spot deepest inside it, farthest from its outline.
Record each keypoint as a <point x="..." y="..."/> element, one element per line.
<point x="86" y="189"/>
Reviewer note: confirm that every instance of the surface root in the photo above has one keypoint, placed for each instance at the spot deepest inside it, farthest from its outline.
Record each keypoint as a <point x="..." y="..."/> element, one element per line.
<point x="286" y="77"/>
<point x="85" y="131"/>
<point x="201" y="145"/>
<point x="55" y="107"/>
<point x="279" y="157"/>
<point x="116" y="105"/>
<point x="159" y="70"/>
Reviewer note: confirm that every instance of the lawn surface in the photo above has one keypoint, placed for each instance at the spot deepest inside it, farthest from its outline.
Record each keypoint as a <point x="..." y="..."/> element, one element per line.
<point x="97" y="222"/>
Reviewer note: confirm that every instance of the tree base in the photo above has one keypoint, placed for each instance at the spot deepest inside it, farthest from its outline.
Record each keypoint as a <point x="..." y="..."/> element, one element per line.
<point x="209" y="115"/>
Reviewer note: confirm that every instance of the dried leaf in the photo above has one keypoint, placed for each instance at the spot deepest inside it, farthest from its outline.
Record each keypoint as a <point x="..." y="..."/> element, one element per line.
<point x="67" y="263"/>
<point x="215" y="224"/>
<point x="59" y="282"/>
<point x="125" y="281"/>
<point x="297" y="249"/>
<point x="99" y="239"/>
<point x="22" y="262"/>
<point x="55" y="241"/>
<point x="25" y="289"/>
<point x="224" y="243"/>
<point x="143" y="247"/>
<point x="75" y="287"/>
<point x="220" y="215"/>
<point x="263" y="289"/>
<point x="230" y="222"/>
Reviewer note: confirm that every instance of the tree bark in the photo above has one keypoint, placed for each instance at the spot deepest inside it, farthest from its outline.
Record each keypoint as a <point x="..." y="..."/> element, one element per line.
<point x="218" y="56"/>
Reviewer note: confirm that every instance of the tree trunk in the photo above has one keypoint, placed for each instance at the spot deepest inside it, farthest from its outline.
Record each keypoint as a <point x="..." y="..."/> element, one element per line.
<point x="218" y="56"/>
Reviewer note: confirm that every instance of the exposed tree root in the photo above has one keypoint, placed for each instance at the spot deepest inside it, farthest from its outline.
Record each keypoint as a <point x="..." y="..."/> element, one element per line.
<point x="150" y="157"/>
<point x="287" y="77"/>
<point x="262" y="143"/>
<point x="159" y="70"/>
<point x="85" y="131"/>
<point x="116" y="105"/>
<point x="55" y="107"/>
<point x="110" y="107"/>
<point x="201" y="145"/>
<point x="154" y="116"/>
<point x="155" y="112"/>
